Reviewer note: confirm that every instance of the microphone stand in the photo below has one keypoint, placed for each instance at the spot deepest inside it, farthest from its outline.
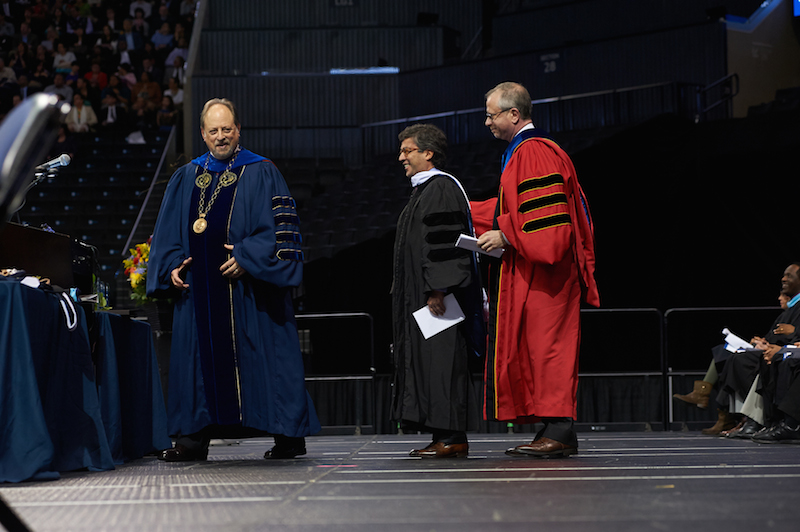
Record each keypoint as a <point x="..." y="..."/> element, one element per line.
<point x="38" y="177"/>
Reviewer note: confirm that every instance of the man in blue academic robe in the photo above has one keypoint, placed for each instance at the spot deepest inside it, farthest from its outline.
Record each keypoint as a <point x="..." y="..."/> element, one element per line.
<point x="227" y="243"/>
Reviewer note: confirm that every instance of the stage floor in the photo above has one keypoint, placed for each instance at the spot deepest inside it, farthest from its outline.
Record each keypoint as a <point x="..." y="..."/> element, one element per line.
<point x="618" y="482"/>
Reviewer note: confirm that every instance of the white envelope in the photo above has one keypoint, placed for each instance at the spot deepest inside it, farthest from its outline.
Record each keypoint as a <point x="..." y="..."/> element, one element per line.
<point x="471" y="243"/>
<point x="431" y="325"/>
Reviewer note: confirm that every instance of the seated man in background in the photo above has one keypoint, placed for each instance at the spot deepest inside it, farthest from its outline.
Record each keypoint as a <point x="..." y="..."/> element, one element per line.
<point x="738" y="370"/>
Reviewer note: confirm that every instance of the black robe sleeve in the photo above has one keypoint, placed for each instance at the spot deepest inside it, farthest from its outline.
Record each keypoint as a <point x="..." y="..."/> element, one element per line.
<point x="443" y="213"/>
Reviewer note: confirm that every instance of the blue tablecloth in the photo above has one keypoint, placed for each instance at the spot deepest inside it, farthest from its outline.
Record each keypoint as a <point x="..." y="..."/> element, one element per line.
<point x="59" y="411"/>
<point x="131" y="400"/>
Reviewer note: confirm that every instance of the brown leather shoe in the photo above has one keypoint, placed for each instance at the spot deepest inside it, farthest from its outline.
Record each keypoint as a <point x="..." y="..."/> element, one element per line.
<point x="725" y="421"/>
<point x="181" y="453"/>
<point x="543" y="448"/>
<point x="442" y="450"/>
<point x="699" y="396"/>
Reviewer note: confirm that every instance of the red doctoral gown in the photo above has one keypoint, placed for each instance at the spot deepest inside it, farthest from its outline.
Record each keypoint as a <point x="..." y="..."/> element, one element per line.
<point x="548" y="269"/>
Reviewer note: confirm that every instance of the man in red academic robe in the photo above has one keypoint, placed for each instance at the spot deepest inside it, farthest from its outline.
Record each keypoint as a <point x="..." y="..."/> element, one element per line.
<point x="541" y="219"/>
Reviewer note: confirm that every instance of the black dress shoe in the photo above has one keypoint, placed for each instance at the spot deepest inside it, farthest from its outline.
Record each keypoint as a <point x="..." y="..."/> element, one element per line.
<point x="442" y="450"/>
<point x="286" y="447"/>
<point x="283" y="453"/>
<point x="747" y="431"/>
<point x="180" y="453"/>
<point x="543" y="448"/>
<point x="780" y="433"/>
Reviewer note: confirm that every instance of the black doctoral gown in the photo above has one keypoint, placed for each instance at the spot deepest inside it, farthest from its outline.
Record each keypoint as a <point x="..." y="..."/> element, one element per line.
<point x="432" y="385"/>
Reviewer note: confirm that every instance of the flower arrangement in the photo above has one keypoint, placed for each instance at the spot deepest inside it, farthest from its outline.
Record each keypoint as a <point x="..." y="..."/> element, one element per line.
<point x="136" y="270"/>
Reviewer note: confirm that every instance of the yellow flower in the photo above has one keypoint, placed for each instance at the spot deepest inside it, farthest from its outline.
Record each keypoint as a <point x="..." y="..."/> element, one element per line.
<point x="136" y="270"/>
<point x="136" y="278"/>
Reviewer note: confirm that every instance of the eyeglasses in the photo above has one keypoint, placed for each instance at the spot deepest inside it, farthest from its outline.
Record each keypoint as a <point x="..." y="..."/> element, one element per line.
<point x="491" y="116"/>
<point x="406" y="151"/>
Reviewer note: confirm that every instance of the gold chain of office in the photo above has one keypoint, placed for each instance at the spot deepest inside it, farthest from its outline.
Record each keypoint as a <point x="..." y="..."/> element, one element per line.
<point x="203" y="181"/>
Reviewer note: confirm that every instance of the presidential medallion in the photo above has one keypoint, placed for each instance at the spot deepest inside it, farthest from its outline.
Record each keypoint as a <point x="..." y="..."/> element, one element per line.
<point x="199" y="225"/>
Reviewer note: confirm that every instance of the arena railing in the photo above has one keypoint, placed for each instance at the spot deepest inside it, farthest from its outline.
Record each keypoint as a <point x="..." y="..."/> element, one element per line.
<point x="331" y="355"/>
<point x="606" y="108"/>
<point x="169" y="148"/>
<point x="656" y="350"/>
<point x="690" y="334"/>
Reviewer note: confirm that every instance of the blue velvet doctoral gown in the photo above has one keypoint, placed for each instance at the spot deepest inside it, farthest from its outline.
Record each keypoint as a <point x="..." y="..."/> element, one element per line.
<point x="235" y="358"/>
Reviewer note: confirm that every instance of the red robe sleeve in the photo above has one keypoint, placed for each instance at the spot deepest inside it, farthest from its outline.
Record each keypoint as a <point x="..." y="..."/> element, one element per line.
<point x="483" y="215"/>
<point x="535" y="214"/>
<point x="544" y="213"/>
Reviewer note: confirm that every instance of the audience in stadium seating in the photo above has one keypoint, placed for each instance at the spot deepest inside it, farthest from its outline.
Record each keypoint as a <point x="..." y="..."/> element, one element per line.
<point x="109" y="55"/>
<point x="81" y="117"/>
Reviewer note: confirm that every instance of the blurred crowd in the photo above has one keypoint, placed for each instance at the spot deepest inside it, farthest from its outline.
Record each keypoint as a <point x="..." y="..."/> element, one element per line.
<point x="121" y="64"/>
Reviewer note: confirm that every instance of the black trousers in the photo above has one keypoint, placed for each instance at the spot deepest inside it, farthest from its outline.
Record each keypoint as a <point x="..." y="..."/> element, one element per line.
<point x="560" y="429"/>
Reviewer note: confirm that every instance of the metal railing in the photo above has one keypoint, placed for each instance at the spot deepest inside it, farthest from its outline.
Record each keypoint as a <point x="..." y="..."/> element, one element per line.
<point x="658" y="353"/>
<point x="606" y="108"/>
<point x="369" y="372"/>
<point x="719" y="93"/>
<point x="724" y="316"/>
<point x="167" y="147"/>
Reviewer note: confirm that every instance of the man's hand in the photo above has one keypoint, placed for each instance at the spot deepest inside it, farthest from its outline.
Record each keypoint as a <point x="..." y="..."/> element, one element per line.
<point x="230" y="268"/>
<point x="770" y="352"/>
<point x="784" y="328"/>
<point x="178" y="275"/>
<point x="491" y="240"/>
<point x="756" y="341"/>
<point x="436" y="303"/>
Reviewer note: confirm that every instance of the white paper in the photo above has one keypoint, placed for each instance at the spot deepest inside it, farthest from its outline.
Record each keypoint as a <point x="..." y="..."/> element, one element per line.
<point x="734" y="343"/>
<point x="471" y="243"/>
<point x="33" y="282"/>
<point x="431" y="325"/>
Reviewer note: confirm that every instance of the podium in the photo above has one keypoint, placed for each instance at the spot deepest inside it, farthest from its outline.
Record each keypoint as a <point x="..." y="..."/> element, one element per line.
<point x="65" y="261"/>
<point x="38" y="252"/>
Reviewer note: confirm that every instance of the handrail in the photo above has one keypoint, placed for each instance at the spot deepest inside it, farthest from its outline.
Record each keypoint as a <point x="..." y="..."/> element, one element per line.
<point x="612" y="107"/>
<point x="732" y="80"/>
<point x="465" y="54"/>
<point x="423" y="117"/>
<point x="149" y="191"/>
<point x="550" y="99"/>
<point x="707" y="309"/>
<point x="194" y="52"/>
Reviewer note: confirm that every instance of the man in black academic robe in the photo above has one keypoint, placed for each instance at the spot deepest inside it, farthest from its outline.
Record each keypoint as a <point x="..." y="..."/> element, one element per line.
<point x="432" y="388"/>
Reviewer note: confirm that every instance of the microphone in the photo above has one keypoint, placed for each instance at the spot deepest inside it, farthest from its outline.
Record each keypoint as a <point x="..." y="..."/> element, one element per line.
<point x="62" y="160"/>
